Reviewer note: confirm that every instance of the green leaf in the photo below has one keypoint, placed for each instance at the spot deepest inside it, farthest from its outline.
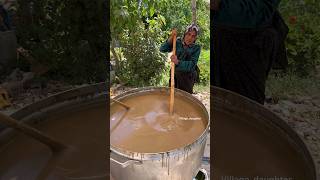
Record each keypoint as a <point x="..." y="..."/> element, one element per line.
<point x="309" y="1"/>
<point x="151" y="11"/>
<point x="144" y="12"/>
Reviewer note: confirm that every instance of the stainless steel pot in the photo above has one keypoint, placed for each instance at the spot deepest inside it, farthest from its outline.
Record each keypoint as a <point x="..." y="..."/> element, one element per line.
<point x="178" y="164"/>
<point x="30" y="164"/>
<point x="238" y="152"/>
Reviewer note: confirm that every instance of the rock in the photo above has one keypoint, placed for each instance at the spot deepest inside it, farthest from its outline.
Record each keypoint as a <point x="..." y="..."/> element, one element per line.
<point x="14" y="88"/>
<point x="4" y="98"/>
<point x="272" y="100"/>
<point x="288" y="104"/>
<point x="27" y="79"/>
<point x="16" y="75"/>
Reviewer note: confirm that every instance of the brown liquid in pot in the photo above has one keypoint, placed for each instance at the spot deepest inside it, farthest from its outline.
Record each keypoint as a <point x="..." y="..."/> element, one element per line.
<point x="247" y="150"/>
<point x="24" y="158"/>
<point x="147" y="126"/>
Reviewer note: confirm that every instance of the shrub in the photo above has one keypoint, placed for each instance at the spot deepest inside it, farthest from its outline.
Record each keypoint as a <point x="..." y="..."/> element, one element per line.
<point x="69" y="37"/>
<point x="302" y="43"/>
<point x="204" y="66"/>
<point x="143" y="64"/>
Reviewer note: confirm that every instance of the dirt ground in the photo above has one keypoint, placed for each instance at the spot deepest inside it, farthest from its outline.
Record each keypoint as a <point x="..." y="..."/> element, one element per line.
<point x="23" y="97"/>
<point x="302" y="115"/>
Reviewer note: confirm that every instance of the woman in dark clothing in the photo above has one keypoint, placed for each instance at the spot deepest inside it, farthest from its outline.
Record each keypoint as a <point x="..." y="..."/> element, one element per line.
<point x="245" y="45"/>
<point x="186" y="59"/>
<point x="4" y="19"/>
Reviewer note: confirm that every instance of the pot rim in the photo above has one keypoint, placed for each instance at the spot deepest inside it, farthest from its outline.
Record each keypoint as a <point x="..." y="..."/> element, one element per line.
<point x="283" y="129"/>
<point x="163" y="154"/>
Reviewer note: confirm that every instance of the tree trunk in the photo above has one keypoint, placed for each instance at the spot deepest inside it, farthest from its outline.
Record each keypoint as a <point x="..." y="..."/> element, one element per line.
<point x="194" y="11"/>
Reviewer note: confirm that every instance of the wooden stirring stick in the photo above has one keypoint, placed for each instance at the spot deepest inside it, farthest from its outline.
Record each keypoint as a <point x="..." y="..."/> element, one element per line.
<point x="172" y="76"/>
<point x="122" y="117"/>
<point x="121" y="103"/>
<point x="55" y="145"/>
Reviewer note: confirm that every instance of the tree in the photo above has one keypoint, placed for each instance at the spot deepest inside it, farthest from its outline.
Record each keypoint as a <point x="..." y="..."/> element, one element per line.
<point x="137" y="25"/>
<point x="68" y="36"/>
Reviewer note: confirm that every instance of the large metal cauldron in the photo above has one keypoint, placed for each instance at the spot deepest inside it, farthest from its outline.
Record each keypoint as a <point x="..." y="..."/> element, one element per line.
<point x="33" y="159"/>
<point x="251" y="142"/>
<point x="178" y="164"/>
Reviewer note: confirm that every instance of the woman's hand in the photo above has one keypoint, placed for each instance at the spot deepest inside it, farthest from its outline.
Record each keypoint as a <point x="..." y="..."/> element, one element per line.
<point x="174" y="59"/>
<point x="173" y="33"/>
